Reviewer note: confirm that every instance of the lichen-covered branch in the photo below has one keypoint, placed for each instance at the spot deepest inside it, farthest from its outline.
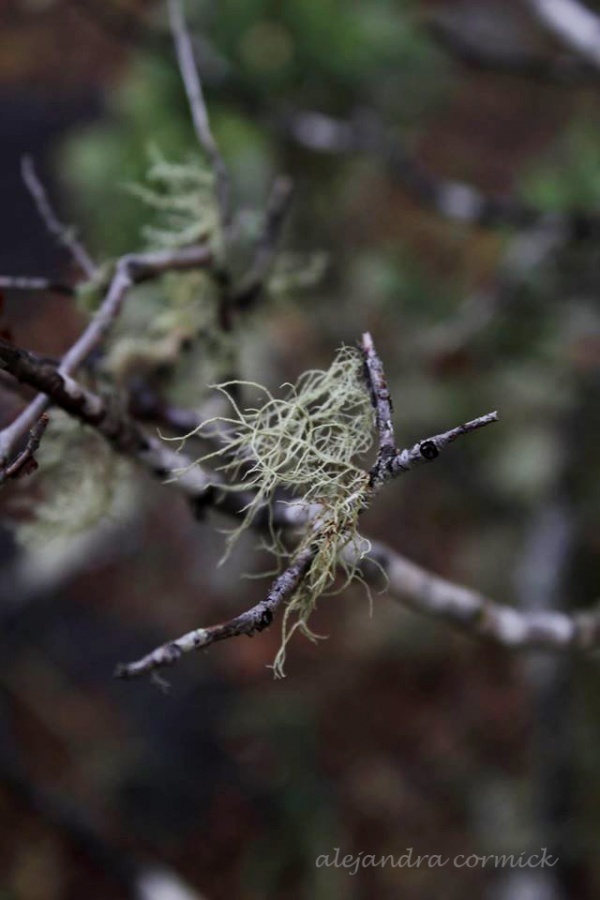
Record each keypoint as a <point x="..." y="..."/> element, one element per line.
<point x="292" y="440"/>
<point x="108" y="418"/>
<point x="252" y="620"/>
<point x="291" y="465"/>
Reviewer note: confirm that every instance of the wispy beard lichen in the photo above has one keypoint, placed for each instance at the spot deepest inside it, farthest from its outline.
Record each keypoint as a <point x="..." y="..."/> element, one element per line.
<point x="306" y="445"/>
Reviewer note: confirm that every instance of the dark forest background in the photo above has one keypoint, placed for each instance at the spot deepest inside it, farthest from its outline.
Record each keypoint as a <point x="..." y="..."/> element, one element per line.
<point x="396" y="731"/>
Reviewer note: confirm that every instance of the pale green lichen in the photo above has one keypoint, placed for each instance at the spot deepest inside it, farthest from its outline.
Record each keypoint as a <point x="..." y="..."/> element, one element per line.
<point x="82" y="482"/>
<point x="161" y="319"/>
<point x="294" y="272"/>
<point x="310" y="443"/>
<point x="182" y="197"/>
<point x="181" y="309"/>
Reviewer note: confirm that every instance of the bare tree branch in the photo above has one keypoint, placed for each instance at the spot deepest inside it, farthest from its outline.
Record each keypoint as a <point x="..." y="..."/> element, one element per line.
<point x="267" y="245"/>
<point x="482" y="50"/>
<point x="454" y="200"/>
<point x="479" y="616"/>
<point x="28" y="283"/>
<point x="62" y="233"/>
<point x="193" y="88"/>
<point x="573" y="23"/>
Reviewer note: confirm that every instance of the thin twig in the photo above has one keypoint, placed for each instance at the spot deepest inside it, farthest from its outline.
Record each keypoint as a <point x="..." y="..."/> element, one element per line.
<point x="24" y="463"/>
<point x="61" y="232"/>
<point x="32" y="283"/>
<point x="197" y="104"/>
<point x="382" y="404"/>
<point x="252" y="620"/>
<point x="429" y="449"/>
<point x="267" y="245"/>
<point x="392" y="462"/>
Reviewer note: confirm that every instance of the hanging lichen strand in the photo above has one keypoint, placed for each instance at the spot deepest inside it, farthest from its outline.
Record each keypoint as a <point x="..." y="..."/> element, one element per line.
<point x="307" y="443"/>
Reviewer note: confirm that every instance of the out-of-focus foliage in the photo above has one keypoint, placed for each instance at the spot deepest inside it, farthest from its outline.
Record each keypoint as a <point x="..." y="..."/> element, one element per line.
<point x="322" y="52"/>
<point x="569" y="175"/>
<point x="106" y="158"/>
<point x="331" y="56"/>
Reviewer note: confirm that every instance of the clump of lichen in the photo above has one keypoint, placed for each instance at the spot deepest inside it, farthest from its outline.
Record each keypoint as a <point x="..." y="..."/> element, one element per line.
<point x="307" y="444"/>
<point x="293" y="272"/>
<point x="182" y="197"/>
<point x="82" y="483"/>
<point x="164" y="319"/>
<point x="170" y="328"/>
